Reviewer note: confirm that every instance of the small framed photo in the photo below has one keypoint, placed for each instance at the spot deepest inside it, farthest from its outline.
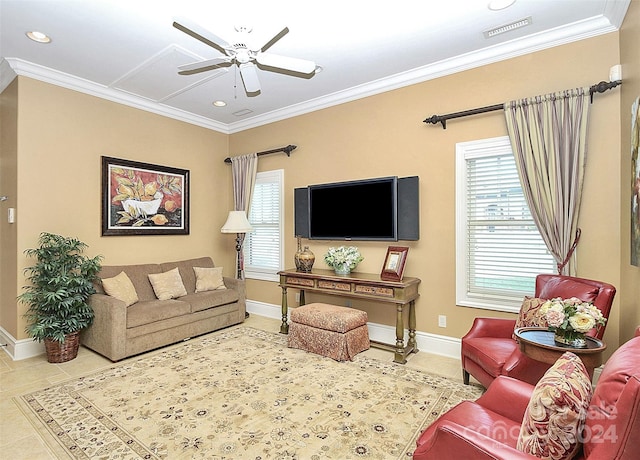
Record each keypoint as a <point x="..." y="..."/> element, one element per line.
<point x="393" y="267"/>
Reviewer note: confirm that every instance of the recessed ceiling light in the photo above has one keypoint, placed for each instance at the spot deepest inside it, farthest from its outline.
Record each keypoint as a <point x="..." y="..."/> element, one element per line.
<point x="38" y="37"/>
<point x="219" y="103"/>
<point x="496" y="5"/>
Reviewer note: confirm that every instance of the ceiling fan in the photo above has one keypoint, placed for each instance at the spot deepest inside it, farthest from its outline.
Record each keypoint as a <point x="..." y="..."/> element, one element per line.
<point x="241" y="53"/>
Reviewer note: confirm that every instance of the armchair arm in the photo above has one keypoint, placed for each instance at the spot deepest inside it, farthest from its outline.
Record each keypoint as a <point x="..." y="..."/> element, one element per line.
<point x="491" y="327"/>
<point x="453" y="441"/>
<point x="107" y="333"/>
<point x="502" y="389"/>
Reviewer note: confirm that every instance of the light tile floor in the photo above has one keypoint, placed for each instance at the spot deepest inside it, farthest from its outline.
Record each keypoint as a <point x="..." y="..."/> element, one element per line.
<point x="20" y="441"/>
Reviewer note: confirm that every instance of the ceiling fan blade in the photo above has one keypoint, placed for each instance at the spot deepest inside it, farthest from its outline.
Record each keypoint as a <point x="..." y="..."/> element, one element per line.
<point x="201" y="66"/>
<point x="275" y="38"/>
<point x="250" y="77"/>
<point x="286" y="63"/>
<point x="200" y="33"/>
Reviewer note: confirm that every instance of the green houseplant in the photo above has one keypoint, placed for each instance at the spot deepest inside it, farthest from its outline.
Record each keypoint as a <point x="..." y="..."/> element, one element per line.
<point x="61" y="281"/>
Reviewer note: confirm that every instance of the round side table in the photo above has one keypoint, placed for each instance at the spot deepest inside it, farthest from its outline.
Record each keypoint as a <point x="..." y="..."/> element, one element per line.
<point x="537" y="343"/>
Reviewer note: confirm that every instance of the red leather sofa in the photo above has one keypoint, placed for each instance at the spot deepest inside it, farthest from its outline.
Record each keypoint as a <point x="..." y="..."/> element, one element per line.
<point x="488" y="428"/>
<point x="489" y="350"/>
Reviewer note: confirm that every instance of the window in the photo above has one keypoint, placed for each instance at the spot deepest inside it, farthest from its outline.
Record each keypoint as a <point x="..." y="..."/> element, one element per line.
<point x="499" y="250"/>
<point x="263" y="247"/>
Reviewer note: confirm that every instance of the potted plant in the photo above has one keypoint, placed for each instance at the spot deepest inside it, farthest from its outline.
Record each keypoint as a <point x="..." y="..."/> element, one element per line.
<point x="60" y="283"/>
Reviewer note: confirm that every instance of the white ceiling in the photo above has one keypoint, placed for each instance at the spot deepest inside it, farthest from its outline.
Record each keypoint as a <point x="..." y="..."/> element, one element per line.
<point x="128" y="51"/>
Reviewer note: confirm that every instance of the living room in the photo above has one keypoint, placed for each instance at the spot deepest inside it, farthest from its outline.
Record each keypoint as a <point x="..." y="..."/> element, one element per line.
<point x="53" y="139"/>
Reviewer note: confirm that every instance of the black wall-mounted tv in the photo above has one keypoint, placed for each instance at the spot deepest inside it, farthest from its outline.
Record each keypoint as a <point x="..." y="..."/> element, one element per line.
<point x="380" y="209"/>
<point x="356" y="210"/>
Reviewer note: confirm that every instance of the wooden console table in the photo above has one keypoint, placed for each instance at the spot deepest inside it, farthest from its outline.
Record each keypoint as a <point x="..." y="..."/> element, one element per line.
<point x="359" y="286"/>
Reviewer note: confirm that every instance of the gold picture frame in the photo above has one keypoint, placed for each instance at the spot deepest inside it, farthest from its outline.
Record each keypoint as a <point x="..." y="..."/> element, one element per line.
<point x="394" y="262"/>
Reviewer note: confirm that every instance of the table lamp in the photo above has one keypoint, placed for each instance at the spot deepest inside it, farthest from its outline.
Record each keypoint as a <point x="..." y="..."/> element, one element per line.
<point x="237" y="223"/>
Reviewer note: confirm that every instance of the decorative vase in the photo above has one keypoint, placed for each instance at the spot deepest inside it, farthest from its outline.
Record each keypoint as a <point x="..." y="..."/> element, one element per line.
<point x="571" y="338"/>
<point x="342" y="269"/>
<point x="304" y="258"/>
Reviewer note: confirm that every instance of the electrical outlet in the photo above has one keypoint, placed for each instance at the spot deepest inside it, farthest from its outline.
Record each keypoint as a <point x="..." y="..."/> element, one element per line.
<point x="297" y="297"/>
<point x="442" y="321"/>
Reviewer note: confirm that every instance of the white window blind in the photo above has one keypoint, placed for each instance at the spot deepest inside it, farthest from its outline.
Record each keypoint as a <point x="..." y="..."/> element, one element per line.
<point x="263" y="246"/>
<point x="499" y="249"/>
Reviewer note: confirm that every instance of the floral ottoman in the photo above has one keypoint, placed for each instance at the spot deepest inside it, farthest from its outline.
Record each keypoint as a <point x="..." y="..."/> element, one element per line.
<point x="336" y="332"/>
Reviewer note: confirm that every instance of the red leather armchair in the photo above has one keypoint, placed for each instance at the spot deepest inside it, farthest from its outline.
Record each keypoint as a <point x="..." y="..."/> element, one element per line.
<point x="489" y="350"/>
<point x="489" y="427"/>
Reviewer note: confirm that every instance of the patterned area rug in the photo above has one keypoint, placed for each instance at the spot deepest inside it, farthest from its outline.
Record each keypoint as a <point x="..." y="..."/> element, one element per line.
<point x="242" y="394"/>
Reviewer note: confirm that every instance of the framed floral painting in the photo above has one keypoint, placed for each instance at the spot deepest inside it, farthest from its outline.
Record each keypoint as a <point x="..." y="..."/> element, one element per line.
<point x="635" y="183"/>
<point x="143" y="199"/>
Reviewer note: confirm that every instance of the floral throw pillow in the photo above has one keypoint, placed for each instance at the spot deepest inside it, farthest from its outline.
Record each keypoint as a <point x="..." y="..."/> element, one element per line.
<point x="555" y="416"/>
<point x="530" y="315"/>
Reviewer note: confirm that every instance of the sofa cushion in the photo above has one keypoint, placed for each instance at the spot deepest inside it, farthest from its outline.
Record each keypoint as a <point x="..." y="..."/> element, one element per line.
<point x="168" y="285"/>
<point x="186" y="270"/>
<point x="121" y="287"/>
<point x="529" y="315"/>
<point x="147" y="312"/>
<point x="204" y="300"/>
<point x="208" y="279"/>
<point x="553" y="421"/>
<point x="138" y="274"/>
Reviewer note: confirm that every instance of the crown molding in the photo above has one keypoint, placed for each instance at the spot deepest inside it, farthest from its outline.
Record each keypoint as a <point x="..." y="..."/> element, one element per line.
<point x="38" y="72"/>
<point x="581" y="30"/>
<point x="7" y="75"/>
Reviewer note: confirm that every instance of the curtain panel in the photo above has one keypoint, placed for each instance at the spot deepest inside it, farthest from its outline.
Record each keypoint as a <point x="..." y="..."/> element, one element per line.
<point x="243" y="169"/>
<point x="548" y="136"/>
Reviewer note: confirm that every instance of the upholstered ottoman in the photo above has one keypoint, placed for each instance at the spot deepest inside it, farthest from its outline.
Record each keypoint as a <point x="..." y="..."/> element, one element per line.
<point x="328" y="330"/>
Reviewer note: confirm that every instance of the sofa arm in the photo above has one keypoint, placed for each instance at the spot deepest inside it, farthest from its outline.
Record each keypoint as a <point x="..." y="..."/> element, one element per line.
<point x="491" y="327"/>
<point x="452" y="440"/>
<point x="503" y="389"/>
<point x="107" y="333"/>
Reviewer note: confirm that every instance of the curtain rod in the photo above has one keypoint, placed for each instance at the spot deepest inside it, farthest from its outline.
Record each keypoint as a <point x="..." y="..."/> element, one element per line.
<point x="597" y="88"/>
<point x="288" y="149"/>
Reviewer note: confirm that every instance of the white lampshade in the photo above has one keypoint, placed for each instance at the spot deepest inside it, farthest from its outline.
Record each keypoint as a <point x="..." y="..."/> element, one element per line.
<point x="236" y="223"/>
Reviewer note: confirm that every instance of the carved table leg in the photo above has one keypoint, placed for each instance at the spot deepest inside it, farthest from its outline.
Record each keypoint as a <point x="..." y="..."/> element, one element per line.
<point x="399" y="353"/>
<point x="284" y="327"/>
<point x="302" y="301"/>
<point x="413" y="345"/>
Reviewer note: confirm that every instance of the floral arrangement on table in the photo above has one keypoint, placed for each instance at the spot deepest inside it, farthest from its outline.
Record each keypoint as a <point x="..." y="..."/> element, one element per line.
<point x="571" y="319"/>
<point x="343" y="259"/>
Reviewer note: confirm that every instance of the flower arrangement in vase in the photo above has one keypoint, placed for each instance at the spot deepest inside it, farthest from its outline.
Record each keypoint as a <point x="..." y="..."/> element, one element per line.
<point x="343" y="259"/>
<point x="571" y="319"/>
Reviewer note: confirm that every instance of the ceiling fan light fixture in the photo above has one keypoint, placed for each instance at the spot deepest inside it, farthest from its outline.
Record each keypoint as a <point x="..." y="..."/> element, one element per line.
<point x="38" y="36"/>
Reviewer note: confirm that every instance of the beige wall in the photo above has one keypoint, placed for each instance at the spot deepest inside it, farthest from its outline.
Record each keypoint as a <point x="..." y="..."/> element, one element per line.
<point x="384" y="135"/>
<point x="61" y="135"/>
<point x="9" y="188"/>
<point x="629" y="290"/>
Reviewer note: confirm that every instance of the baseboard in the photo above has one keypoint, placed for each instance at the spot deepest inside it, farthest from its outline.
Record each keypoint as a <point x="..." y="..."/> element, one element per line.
<point x="430" y="343"/>
<point x="20" y="349"/>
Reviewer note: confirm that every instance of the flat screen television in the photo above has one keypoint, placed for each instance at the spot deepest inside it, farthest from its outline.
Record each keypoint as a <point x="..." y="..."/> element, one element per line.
<point x="355" y="210"/>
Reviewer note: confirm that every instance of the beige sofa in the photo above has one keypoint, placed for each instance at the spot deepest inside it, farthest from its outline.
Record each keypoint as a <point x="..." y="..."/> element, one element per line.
<point x="119" y="331"/>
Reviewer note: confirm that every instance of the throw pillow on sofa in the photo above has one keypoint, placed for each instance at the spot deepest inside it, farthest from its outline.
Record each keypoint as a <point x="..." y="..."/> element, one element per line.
<point x="168" y="285"/>
<point x="529" y="315"/>
<point x="555" y="416"/>
<point x="208" y="279"/>
<point x="121" y="288"/>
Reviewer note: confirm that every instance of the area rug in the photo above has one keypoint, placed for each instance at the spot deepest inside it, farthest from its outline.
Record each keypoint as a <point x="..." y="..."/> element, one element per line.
<point x="242" y="394"/>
